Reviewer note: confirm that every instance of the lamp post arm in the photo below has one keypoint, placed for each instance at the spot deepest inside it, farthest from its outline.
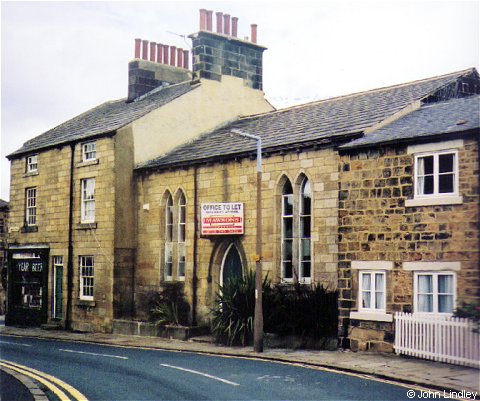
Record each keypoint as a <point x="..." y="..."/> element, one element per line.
<point x="259" y="145"/>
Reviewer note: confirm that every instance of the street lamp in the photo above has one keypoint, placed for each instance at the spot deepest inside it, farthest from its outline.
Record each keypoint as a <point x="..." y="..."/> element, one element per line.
<point x="258" y="314"/>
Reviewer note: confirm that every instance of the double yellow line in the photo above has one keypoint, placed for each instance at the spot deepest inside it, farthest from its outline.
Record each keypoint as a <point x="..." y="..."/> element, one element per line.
<point x="56" y="386"/>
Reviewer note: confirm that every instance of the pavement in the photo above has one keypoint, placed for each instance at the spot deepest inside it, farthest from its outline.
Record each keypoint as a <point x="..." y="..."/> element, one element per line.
<point x="407" y="370"/>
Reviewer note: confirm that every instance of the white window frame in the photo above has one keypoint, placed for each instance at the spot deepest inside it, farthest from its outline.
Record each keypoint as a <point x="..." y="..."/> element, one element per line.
<point x="32" y="163"/>
<point x="31" y="206"/>
<point x="302" y="216"/>
<point x="89" y="151"/>
<point x="284" y="240"/>
<point x="87" y="200"/>
<point x="181" y="236"/>
<point x="436" y="173"/>
<point x="378" y="315"/>
<point x="168" y="259"/>
<point x="435" y="293"/>
<point x="372" y="292"/>
<point x="435" y="150"/>
<point x="57" y="262"/>
<point x="87" y="277"/>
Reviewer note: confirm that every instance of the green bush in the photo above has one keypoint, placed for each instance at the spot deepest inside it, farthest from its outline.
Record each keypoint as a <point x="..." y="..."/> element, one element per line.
<point x="234" y="309"/>
<point x="169" y="306"/>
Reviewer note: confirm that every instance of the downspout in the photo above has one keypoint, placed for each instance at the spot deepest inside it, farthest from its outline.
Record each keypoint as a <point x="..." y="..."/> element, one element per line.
<point x="68" y="320"/>
<point x="195" y="245"/>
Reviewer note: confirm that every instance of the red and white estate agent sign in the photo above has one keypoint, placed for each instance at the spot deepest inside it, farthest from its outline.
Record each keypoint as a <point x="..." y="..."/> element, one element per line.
<point x="222" y="218"/>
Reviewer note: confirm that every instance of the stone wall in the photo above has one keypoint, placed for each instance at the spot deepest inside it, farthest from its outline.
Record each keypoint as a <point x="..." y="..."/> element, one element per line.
<point x="217" y="55"/>
<point x="375" y="225"/>
<point x="53" y="196"/>
<point x="235" y="181"/>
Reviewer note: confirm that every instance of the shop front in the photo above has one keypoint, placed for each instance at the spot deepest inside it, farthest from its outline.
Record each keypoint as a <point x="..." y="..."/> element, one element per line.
<point x="27" y="303"/>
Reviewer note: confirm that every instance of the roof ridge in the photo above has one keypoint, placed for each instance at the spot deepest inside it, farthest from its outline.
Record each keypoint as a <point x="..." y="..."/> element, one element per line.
<point x="161" y="88"/>
<point x="404" y="84"/>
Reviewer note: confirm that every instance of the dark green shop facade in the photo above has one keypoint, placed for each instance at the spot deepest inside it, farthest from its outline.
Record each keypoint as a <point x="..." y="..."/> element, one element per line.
<point x="28" y="272"/>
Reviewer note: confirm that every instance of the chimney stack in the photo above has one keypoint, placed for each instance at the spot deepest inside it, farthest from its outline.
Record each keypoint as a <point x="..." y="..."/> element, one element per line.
<point x="223" y="53"/>
<point x="156" y="65"/>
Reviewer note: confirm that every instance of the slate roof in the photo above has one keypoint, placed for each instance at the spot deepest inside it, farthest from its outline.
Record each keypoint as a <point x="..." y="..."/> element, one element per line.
<point x="452" y="116"/>
<point x="104" y="118"/>
<point x="4" y="204"/>
<point x="316" y="122"/>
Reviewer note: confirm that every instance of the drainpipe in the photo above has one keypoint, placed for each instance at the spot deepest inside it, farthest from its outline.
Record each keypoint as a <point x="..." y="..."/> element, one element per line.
<point x="68" y="319"/>
<point x="195" y="245"/>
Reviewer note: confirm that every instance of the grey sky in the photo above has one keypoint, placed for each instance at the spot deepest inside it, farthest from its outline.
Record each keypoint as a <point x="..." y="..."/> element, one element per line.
<point x="61" y="58"/>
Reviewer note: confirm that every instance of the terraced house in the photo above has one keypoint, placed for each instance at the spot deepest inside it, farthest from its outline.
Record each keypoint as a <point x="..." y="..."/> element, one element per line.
<point x="409" y="217"/>
<point x="161" y="187"/>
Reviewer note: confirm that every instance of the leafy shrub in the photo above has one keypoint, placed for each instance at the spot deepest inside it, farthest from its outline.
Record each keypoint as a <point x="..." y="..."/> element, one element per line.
<point x="169" y="306"/>
<point x="234" y="309"/>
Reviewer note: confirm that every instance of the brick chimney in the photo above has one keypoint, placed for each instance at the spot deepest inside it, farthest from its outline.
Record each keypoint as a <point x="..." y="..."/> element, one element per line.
<point x="220" y="53"/>
<point x="163" y="65"/>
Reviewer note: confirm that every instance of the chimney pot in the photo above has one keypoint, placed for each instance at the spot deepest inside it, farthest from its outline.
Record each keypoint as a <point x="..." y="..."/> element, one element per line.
<point x="173" y="51"/>
<point x="185" y="59"/>
<point x="254" y="33"/>
<point x="153" y="51"/>
<point x="159" y="53"/>
<point x="226" y="24"/>
<point x="179" y="57"/>
<point x="165" y="54"/>
<point x="209" y="20"/>
<point x="138" y="45"/>
<point x="234" y="26"/>
<point x="203" y="19"/>
<point x="219" y="22"/>
<point x="145" y="49"/>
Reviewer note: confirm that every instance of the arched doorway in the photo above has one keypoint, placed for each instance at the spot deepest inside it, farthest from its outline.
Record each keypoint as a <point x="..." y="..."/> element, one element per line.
<point x="231" y="264"/>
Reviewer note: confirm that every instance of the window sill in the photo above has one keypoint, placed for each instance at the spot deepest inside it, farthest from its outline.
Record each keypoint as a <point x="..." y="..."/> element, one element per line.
<point x="29" y="229"/>
<point x="87" y="163"/>
<point x="373" y="316"/>
<point x="86" y="303"/>
<point x="435" y="201"/>
<point x="31" y="174"/>
<point x="85" y="226"/>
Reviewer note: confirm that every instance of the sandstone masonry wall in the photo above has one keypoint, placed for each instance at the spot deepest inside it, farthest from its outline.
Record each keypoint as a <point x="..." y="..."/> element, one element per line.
<point x="375" y="225"/>
<point x="235" y="181"/>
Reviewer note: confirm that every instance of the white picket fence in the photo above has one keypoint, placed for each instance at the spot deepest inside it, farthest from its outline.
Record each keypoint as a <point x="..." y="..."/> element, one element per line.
<point x="441" y="338"/>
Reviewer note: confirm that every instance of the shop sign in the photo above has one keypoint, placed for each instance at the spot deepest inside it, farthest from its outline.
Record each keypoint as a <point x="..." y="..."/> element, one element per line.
<point x="222" y="218"/>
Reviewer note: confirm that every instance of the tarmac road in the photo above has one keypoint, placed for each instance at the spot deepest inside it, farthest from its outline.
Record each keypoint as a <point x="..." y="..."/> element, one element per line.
<point x="117" y="373"/>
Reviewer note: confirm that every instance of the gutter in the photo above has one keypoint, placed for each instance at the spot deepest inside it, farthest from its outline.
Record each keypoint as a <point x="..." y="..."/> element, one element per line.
<point x="318" y="143"/>
<point x="427" y="138"/>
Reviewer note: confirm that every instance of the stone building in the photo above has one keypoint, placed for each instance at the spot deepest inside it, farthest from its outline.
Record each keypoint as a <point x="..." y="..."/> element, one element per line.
<point x="409" y="220"/>
<point x="72" y="240"/>
<point x="160" y="187"/>
<point x="301" y="176"/>
<point x="4" y="212"/>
